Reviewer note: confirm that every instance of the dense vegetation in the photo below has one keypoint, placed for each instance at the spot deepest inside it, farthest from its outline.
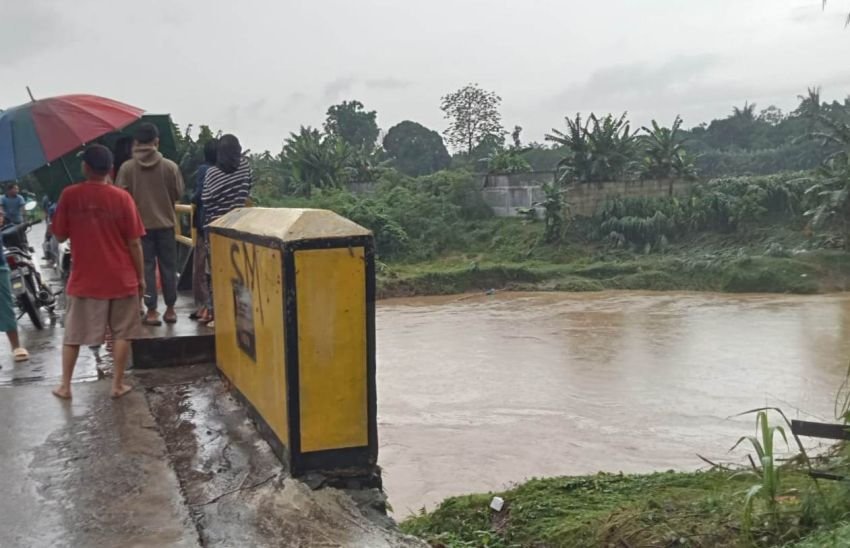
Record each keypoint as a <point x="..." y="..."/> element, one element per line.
<point x="435" y="234"/>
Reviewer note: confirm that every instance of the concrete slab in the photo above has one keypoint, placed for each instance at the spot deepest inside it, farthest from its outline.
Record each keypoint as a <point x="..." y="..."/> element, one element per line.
<point x="91" y="472"/>
<point x="185" y="343"/>
<point x="238" y="492"/>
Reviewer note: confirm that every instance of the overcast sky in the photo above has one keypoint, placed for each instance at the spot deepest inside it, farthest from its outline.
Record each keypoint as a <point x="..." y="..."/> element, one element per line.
<point x="260" y="69"/>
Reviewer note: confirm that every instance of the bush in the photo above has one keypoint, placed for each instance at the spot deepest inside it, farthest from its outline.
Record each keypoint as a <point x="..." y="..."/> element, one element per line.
<point x="412" y="219"/>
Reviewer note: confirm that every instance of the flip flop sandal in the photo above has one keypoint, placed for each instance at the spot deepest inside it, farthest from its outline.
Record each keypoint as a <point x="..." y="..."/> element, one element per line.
<point x="170" y="320"/>
<point x="152" y="323"/>
<point x="21" y="354"/>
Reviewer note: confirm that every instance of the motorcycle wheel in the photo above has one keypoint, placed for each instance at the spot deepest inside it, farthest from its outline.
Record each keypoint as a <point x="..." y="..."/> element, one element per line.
<point x="28" y="304"/>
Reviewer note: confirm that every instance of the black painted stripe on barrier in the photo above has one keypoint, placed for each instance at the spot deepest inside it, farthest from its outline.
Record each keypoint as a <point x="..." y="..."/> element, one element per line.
<point x="290" y="329"/>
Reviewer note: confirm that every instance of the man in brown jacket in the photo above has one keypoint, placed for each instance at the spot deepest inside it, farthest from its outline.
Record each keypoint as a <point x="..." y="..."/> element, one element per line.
<point x="155" y="183"/>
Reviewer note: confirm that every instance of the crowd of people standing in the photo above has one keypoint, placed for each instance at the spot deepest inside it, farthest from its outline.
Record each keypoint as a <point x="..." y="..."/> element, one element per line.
<point x="123" y="216"/>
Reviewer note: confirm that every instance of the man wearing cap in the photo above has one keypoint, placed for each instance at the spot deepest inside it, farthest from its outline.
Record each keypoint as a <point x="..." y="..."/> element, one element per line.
<point x="155" y="183"/>
<point x="107" y="280"/>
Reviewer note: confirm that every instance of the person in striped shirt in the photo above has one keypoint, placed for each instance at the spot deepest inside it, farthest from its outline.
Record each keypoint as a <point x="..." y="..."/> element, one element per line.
<point x="227" y="186"/>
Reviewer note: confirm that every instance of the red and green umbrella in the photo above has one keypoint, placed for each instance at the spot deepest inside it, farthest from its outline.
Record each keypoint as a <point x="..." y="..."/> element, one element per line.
<point x="43" y="131"/>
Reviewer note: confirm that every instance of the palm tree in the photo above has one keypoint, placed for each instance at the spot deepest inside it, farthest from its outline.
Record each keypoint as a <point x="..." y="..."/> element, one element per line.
<point x="746" y="114"/>
<point x="666" y="156"/>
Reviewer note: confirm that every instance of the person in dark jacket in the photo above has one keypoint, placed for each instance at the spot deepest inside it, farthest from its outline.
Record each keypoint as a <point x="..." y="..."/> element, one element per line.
<point x="199" y="259"/>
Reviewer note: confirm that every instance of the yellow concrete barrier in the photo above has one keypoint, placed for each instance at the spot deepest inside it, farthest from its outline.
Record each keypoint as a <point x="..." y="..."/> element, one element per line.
<point x="294" y="293"/>
<point x="179" y="210"/>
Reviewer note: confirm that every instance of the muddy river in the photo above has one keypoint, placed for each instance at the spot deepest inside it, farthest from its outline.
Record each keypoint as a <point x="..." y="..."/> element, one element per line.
<point x="478" y="392"/>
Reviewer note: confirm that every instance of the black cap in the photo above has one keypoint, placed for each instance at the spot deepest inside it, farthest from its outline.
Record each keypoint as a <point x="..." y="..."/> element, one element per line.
<point x="98" y="158"/>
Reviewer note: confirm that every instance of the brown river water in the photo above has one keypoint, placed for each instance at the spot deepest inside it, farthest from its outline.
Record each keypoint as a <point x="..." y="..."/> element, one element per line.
<point x="478" y="392"/>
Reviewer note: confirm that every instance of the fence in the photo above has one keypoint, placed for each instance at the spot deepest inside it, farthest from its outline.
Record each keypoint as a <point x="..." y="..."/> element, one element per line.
<point x="509" y="194"/>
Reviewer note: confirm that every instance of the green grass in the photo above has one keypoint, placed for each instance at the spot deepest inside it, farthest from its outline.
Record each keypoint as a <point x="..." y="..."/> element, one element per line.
<point x="834" y="537"/>
<point x="663" y="509"/>
<point x="508" y="254"/>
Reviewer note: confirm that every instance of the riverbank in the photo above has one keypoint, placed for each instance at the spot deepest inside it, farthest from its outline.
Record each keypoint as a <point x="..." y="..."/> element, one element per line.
<point x="663" y="509"/>
<point x="507" y="254"/>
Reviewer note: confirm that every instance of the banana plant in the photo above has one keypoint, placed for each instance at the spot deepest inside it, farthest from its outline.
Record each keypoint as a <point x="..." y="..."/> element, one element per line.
<point x="600" y="149"/>
<point x="665" y="154"/>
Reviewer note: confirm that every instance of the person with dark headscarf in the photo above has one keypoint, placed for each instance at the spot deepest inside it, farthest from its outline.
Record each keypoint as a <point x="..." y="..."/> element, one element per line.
<point x="227" y="186"/>
<point x="199" y="256"/>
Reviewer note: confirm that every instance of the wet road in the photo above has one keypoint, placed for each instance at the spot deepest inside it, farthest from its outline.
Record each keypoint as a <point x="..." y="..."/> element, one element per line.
<point x="92" y="472"/>
<point x="44" y="345"/>
<point x="176" y="463"/>
<point x="478" y="392"/>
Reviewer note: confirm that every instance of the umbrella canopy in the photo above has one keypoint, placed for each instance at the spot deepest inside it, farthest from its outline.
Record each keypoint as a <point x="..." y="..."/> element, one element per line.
<point x="42" y="131"/>
<point x="58" y="174"/>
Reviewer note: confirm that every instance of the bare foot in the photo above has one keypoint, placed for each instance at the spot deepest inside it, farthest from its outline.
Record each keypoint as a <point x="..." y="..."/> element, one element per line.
<point x="122" y="390"/>
<point x="62" y="393"/>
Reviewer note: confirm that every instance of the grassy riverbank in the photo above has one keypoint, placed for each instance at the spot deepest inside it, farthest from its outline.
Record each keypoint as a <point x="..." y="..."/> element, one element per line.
<point x="435" y="235"/>
<point x="664" y="509"/>
<point x="509" y="254"/>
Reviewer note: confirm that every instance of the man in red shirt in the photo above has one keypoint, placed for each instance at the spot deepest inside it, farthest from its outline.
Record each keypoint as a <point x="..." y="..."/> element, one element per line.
<point x="107" y="278"/>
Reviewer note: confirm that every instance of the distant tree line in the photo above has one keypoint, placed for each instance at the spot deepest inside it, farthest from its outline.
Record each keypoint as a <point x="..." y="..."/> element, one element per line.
<point x="350" y="146"/>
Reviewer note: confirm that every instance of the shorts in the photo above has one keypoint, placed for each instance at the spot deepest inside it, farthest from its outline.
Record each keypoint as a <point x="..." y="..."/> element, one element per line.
<point x="8" y="318"/>
<point x="86" y="320"/>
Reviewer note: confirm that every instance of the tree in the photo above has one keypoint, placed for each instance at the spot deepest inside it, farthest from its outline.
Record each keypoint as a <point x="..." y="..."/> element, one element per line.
<point x="772" y="115"/>
<point x="190" y="152"/>
<point x="351" y="122"/>
<point x="473" y="115"/>
<point x="507" y="161"/>
<point x="271" y="174"/>
<point x="738" y="130"/>
<point x="746" y="114"/>
<point x="489" y="145"/>
<point x="601" y="149"/>
<point x="665" y="155"/>
<point x="810" y="104"/>
<point x="416" y="150"/>
<point x="315" y="161"/>
<point x="516" y="137"/>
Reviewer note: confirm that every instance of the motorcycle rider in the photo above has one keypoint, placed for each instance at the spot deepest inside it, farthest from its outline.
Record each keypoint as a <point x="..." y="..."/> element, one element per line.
<point x="8" y="318"/>
<point x="13" y="205"/>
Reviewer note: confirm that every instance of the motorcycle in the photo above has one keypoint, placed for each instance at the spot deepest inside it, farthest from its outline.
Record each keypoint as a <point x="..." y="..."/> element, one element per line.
<point x="58" y="255"/>
<point x="28" y="289"/>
